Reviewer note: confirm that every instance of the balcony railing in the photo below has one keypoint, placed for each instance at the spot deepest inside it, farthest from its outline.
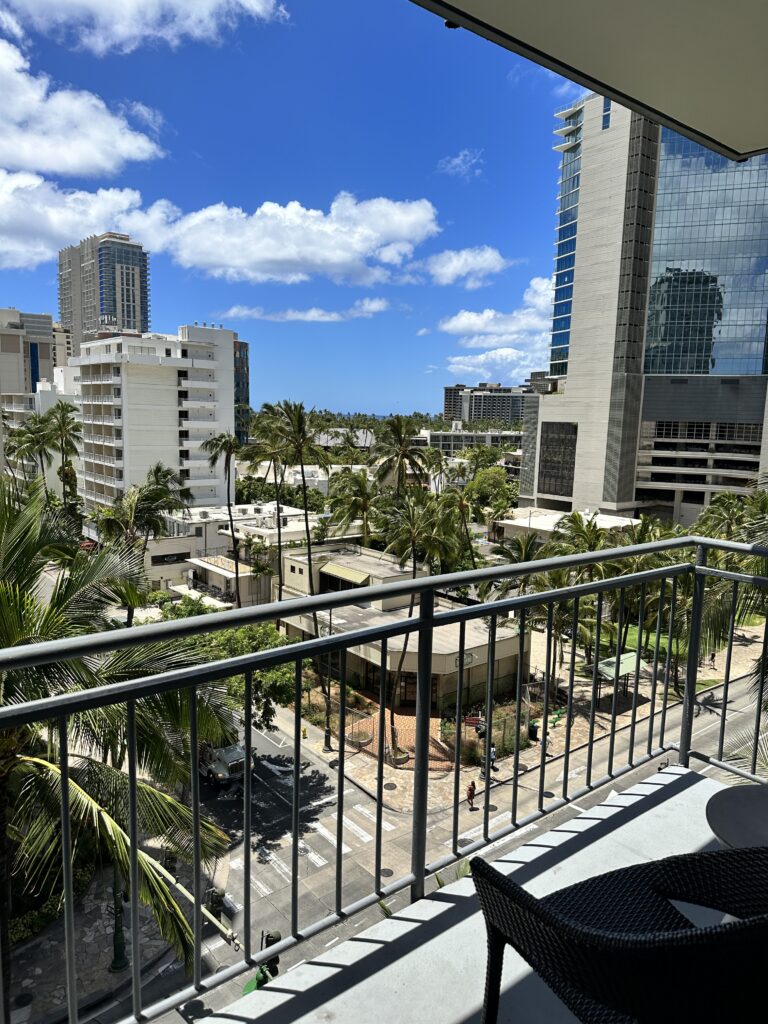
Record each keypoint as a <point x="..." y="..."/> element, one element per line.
<point x="661" y="601"/>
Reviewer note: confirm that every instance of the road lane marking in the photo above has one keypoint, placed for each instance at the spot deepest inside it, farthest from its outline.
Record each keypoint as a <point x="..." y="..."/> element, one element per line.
<point x="271" y="858"/>
<point x="328" y="836"/>
<point x="386" y="825"/>
<point x="472" y="833"/>
<point x="283" y="742"/>
<point x="361" y="834"/>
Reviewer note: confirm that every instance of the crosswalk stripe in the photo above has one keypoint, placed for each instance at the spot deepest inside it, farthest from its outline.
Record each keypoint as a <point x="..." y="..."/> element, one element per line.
<point x="361" y="834"/>
<point x="472" y="833"/>
<point x="386" y="825"/>
<point x="260" y="887"/>
<point x="313" y="856"/>
<point x="328" y="836"/>
<point x="277" y="864"/>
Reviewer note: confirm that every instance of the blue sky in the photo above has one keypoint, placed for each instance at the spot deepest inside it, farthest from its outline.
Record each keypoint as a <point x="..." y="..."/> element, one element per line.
<point x="364" y="196"/>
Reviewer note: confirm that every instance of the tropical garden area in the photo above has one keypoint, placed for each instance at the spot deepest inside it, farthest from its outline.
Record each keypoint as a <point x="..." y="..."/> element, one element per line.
<point x="409" y="501"/>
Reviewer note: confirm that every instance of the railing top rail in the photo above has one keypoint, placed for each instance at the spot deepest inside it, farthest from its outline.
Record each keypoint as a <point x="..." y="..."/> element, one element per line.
<point x="31" y="655"/>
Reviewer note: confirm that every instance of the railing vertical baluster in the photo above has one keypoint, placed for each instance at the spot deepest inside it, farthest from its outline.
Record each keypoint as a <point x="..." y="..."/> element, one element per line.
<point x="595" y="684"/>
<point x="66" y="863"/>
<point x="668" y="662"/>
<point x="545" y="715"/>
<point x="133" y="859"/>
<point x="296" y="803"/>
<point x="247" y="810"/>
<point x="197" y="870"/>
<point x="727" y="676"/>
<point x="340" y="798"/>
<point x="458" y="735"/>
<point x="692" y="662"/>
<point x="569" y="705"/>
<point x="633" y="721"/>
<point x="655" y="674"/>
<point x="616" y="667"/>
<point x="518" y="707"/>
<point x="759" y="696"/>
<point x="381" y="737"/>
<point x="489" y="681"/>
<point x="421" y="753"/>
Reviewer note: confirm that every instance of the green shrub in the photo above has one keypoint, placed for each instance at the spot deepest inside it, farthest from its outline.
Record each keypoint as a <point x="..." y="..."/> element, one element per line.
<point x="30" y="924"/>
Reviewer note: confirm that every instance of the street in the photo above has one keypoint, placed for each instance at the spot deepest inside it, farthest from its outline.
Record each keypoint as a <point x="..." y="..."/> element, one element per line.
<point x="271" y="842"/>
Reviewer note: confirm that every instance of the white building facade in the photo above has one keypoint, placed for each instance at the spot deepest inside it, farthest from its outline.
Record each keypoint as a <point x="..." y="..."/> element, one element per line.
<point x="155" y="398"/>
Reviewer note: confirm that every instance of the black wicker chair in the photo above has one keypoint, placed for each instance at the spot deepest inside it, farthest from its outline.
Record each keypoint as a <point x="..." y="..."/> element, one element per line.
<point x="615" y="950"/>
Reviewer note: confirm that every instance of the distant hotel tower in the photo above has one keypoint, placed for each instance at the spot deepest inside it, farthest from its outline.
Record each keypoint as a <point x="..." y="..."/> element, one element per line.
<point x="103" y="287"/>
<point x="659" y="323"/>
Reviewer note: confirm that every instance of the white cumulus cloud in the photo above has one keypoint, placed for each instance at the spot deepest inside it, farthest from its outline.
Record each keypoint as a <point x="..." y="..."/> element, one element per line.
<point x="467" y="164"/>
<point x="61" y="131"/>
<point x="515" y="342"/>
<point x="122" y="25"/>
<point x="287" y="243"/>
<point x="37" y="218"/>
<point x="363" y="308"/>
<point x="470" y="267"/>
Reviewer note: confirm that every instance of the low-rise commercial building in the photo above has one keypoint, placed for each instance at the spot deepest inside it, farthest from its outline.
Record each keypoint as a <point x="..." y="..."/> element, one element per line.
<point x="349" y="567"/>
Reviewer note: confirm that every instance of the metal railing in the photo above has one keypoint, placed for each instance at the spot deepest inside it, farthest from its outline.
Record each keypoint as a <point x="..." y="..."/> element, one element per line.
<point x="655" y="601"/>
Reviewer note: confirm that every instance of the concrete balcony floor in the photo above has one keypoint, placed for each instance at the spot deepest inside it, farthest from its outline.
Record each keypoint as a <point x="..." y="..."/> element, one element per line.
<point x="427" y="962"/>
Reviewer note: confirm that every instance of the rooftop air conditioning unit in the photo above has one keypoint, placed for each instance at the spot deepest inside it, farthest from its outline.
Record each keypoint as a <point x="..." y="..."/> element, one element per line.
<point x="203" y="515"/>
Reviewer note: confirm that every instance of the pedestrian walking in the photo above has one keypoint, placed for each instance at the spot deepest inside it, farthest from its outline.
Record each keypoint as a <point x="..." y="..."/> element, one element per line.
<point x="471" y="795"/>
<point x="493" y="757"/>
<point x="547" y="742"/>
<point x="712" y="660"/>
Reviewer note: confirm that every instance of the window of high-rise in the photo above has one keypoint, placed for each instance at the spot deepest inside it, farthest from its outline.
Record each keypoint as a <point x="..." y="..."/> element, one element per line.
<point x="708" y="297"/>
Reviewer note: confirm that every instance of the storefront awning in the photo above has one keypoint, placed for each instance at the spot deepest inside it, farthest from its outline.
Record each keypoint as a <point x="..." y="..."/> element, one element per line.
<point x="343" y="572"/>
<point x="697" y="66"/>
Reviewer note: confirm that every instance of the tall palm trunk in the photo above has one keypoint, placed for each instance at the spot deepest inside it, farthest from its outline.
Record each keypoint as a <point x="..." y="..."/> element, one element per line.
<point x="325" y="684"/>
<point x="401" y="660"/>
<point x="42" y="473"/>
<point x="469" y="540"/>
<point x="235" y="541"/>
<point x="279" y="534"/>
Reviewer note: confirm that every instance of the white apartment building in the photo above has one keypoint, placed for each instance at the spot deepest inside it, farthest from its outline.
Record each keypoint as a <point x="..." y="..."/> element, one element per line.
<point x="155" y="398"/>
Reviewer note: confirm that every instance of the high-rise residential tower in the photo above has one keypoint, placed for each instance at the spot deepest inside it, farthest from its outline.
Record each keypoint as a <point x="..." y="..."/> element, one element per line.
<point x="242" y="391"/>
<point x="25" y="350"/>
<point x="103" y="286"/>
<point x="155" y="398"/>
<point x="660" y="323"/>
<point x="484" y="402"/>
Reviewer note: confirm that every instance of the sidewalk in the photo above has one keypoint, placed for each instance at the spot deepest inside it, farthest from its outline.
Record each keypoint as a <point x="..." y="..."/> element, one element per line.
<point x="361" y="769"/>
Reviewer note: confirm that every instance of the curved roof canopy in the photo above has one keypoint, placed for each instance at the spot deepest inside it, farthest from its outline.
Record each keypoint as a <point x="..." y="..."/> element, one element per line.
<point x="697" y="66"/>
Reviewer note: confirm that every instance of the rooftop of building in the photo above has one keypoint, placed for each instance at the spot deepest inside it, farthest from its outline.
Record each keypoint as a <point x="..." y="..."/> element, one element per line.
<point x="366" y="561"/>
<point x="203" y="513"/>
<point x="544" y="520"/>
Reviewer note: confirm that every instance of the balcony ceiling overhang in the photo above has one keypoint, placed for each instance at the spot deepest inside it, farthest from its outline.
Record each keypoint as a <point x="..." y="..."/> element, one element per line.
<point x="697" y="66"/>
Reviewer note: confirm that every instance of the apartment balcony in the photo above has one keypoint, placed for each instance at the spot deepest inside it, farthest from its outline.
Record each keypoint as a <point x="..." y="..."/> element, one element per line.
<point x="107" y="460"/>
<point x="610" y="784"/>
<point x="197" y="401"/>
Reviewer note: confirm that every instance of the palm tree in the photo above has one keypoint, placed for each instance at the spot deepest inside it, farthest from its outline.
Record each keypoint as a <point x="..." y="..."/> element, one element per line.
<point x="38" y="442"/>
<point x="295" y="429"/>
<point x="397" y="455"/>
<point x="353" y="497"/>
<point x="435" y="465"/>
<point x="227" y="446"/>
<point x="456" y="504"/>
<point x="264" y="446"/>
<point x="67" y="432"/>
<point x="32" y="535"/>
<point x="412" y="529"/>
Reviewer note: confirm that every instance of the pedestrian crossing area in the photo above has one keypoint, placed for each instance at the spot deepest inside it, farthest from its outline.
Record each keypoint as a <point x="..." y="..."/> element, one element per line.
<point x="271" y="862"/>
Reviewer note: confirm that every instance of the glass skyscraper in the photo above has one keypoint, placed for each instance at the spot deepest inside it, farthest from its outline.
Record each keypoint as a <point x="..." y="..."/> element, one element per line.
<point x="708" y="302"/>
<point x="660" y="323"/>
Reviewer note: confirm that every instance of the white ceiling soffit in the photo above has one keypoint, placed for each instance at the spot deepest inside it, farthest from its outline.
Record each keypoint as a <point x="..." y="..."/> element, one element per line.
<point x="698" y="66"/>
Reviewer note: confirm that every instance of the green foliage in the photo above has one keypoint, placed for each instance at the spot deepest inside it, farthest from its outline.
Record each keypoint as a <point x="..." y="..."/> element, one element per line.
<point x="28" y="925"/>
<point x="253" y="490"/>
<point x="491" y="487"/>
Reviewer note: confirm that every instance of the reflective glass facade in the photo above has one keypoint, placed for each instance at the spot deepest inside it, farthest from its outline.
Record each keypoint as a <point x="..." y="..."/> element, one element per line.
<point x="117" y="281"/>
<point x="565" y="254"/>
<point x="708" y="297"/>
